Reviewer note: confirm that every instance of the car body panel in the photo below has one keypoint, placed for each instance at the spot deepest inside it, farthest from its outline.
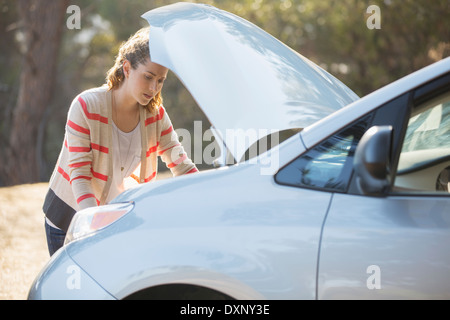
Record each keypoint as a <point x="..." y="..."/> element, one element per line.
<point x="227" y="234"/>
<point x="62" y="278"/>
<point x="357" y="240"/>
<point x="240" y="76"/>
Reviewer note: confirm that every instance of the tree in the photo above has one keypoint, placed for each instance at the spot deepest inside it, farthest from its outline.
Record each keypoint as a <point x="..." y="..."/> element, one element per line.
<point x="42" y="25"/>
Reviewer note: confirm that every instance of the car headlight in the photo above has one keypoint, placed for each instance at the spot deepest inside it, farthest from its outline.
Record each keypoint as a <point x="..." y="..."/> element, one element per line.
<point x="88" y="221"/>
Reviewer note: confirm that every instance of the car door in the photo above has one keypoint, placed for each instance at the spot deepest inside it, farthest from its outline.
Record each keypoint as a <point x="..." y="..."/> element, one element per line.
<point x="394" y="245"/>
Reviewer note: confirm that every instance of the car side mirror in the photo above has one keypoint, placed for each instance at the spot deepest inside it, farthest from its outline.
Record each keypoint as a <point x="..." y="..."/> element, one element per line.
<point x="372" y="161"/>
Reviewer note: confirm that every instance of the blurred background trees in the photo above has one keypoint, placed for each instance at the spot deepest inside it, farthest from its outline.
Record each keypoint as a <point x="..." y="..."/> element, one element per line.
<point x="40" y="23"/>
<point x="44" y="64"/>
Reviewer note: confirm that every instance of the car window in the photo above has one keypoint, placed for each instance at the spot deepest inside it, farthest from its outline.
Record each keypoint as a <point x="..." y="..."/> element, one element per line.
<point x="424" y="161"/>
<point x="327" y="166"/>
<point x="268" y="142"/>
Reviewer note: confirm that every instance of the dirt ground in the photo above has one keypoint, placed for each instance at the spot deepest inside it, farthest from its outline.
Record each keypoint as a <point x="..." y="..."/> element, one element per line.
<point x="23" y="247"/>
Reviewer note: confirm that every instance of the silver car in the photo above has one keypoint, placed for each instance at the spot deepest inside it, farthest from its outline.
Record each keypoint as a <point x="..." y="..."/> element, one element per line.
<point x="353" y="204"/>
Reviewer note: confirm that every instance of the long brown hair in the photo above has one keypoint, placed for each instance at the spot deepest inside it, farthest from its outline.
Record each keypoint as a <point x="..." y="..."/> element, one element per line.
<point x="136" y="51"/>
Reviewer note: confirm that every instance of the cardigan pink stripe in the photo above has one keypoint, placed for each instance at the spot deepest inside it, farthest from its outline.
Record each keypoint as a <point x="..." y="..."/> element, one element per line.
<point x="78" y="128"/>
<point x="89" y="115"/>
<point x="158" y="117"/>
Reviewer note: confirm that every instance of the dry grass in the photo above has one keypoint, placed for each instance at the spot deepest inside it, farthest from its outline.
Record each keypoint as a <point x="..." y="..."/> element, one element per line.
<point x="23" y="246"/>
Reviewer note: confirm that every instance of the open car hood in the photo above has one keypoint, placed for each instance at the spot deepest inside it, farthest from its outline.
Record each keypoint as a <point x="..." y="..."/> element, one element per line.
<point x="240" y="76"/>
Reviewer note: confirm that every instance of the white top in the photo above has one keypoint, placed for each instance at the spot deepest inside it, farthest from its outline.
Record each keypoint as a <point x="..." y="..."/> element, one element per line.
<point x="127" y="155"/>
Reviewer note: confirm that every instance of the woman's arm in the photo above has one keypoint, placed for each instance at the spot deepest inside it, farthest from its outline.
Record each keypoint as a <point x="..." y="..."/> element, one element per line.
<point x="171" y="150"/>
<point x="78" y="135"/>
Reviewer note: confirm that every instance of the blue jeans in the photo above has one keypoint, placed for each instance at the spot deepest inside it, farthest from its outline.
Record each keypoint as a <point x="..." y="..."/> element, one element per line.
<point x="55" y="238"/>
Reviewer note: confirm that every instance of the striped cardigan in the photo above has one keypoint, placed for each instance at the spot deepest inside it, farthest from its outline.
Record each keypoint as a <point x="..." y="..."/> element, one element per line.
<point x="83" y="172"/>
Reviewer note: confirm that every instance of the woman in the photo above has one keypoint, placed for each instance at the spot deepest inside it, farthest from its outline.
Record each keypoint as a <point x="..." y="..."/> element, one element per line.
<point x="113" y="134"/>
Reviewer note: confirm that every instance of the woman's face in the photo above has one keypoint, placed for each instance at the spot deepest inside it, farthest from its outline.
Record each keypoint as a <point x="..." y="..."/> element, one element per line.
<point x="144" y="82"/>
